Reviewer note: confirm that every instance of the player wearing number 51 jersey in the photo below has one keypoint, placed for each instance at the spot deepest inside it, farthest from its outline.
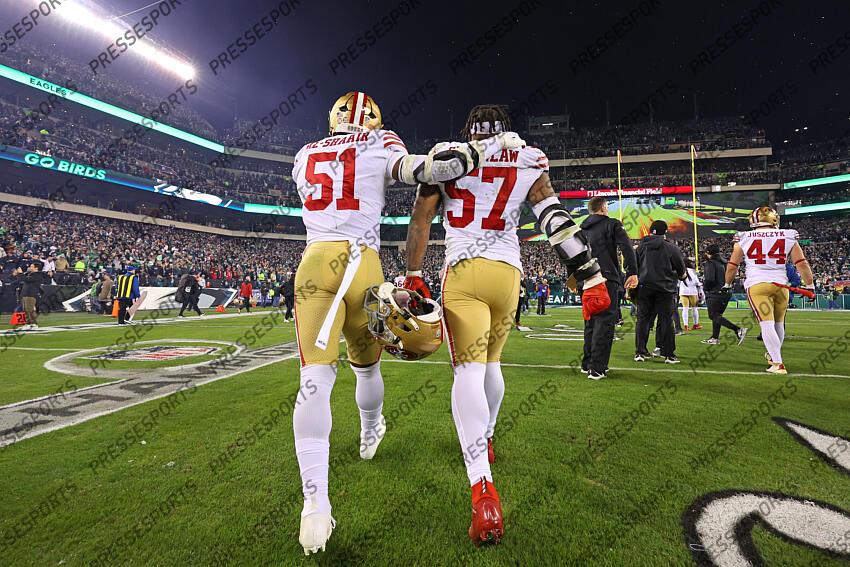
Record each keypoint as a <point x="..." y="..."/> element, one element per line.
<point x="480" y="286"/>
<point x="766" y="249"/>
<point x="341" y="181"/>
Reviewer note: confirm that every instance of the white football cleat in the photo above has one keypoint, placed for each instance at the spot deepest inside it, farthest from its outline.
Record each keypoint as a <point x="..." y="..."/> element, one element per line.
<point x="369" y="440"/>
<point x="316" y="528"/>
<point x="777" y="368"/>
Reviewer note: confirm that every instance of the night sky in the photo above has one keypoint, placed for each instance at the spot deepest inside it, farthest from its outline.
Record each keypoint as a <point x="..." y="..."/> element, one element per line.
<point x="536" y="54"/>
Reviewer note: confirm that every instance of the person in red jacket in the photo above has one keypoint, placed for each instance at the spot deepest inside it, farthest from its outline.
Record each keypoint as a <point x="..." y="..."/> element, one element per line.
<point x="245" y="292"/>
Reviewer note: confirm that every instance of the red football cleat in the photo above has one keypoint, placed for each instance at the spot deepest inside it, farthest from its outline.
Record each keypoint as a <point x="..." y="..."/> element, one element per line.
<point x="491" y="454"/>
<point x="486" y="526"/>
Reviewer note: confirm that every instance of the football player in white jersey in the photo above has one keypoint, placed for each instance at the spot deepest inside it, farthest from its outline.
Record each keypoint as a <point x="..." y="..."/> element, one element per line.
<point x="766" y="249"/>
<point x="341" y="180"/>
<point x="480" y="286"/>
<point x="690" y="294"/>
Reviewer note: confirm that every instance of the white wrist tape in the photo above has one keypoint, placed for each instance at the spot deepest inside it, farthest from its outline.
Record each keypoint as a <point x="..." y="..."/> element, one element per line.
<point x="594" y="281"/>
<point x="407" y="169"/>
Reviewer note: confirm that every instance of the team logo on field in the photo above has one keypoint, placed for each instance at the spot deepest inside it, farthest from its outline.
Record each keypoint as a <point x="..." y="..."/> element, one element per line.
<point x="126" y="387"/>
<point x="160" y="352"/>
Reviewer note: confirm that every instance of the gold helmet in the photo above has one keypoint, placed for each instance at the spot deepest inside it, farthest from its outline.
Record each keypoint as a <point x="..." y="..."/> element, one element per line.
<point x="407" y="324"/>
<point x="354" y="112"/>
<point x="764" y="216"/>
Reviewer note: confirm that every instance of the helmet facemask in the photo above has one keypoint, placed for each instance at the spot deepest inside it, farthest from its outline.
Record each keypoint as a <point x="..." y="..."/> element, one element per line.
<point x="407" y="324"/>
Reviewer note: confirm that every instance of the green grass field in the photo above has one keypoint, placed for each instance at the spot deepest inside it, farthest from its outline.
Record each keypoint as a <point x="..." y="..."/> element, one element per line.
<point x="590" y="473"/>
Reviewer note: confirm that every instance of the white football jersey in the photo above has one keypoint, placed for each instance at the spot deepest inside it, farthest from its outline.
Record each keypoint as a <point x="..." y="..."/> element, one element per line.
<point x="766" y="252"/>
<point x="341" y="181"/>
<point x="691" y="284"/>
<point x="399" y="281"/>
<point x="481" y="211"/>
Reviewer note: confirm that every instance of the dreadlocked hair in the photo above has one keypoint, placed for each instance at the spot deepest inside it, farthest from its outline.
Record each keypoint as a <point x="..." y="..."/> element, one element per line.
<point x="483" y="113"/>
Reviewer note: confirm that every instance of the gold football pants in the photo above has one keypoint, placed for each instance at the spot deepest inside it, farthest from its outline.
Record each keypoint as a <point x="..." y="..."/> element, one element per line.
<point x="316" y="282"/>
<point x="479" y="299"/>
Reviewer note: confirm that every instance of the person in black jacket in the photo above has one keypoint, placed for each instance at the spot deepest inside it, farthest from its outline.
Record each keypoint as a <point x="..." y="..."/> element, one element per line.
<point x="30" y="291"/>
<point x="717" y="297"/>
<point x="660" y="268"/>
<point x="605" y="235"/>
<point x="288" y="292"/>
<point x="188" y="291"/>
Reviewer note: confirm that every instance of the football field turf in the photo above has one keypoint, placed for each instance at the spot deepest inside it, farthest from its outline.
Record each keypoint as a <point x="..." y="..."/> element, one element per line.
<point x="621" y="471"/>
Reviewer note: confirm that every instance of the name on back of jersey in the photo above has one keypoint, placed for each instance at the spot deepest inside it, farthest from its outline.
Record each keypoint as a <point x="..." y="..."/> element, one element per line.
<point x="337" y="140"/>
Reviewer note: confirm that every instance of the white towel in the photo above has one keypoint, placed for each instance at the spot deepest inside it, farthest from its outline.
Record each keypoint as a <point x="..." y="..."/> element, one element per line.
<point x="354" y="257"/>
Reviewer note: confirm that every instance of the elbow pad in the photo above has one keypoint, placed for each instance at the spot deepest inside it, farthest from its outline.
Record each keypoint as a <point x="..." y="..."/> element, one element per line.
<point x="412" y="169"/>
<point x="443" y="163"/>
<point x="448" y="161"/>
<point x="569" y="242"/>
<point x="439" y="167"/>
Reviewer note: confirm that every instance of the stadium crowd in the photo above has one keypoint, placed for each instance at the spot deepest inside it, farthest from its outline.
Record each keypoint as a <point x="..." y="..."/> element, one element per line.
<point x="79" y="248"/>
<point x="178" y="164"/>
<point x="163" y="254"/>
<point x="133" y="95"/>
<point x="825" y="242"/>
<point x="644" y="138"/>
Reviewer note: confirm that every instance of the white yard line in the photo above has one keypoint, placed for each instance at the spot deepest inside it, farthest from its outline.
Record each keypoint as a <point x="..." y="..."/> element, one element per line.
<point x="113" y="324"/>
<point x="38" y="348"/>
<point x="636" y="368"/>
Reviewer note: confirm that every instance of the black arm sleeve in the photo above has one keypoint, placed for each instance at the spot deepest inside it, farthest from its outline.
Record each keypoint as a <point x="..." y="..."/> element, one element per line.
<point x="625" y="246"/>
<point x="678" y="262"/>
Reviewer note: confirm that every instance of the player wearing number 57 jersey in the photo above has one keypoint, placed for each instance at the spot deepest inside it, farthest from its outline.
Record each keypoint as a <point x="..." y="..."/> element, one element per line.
<point x="766" y="249"/>
<point x="480" y="286"/>
<point x="341" y="181"/>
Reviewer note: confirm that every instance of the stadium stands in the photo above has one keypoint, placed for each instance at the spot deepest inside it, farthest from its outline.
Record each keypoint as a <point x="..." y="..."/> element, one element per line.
<point x="86" y="136"/>
<point x="659" y="137"/>
<point x="89" y="137"/>
<point x="50" y="65"/>
<point x="164" y="253"/>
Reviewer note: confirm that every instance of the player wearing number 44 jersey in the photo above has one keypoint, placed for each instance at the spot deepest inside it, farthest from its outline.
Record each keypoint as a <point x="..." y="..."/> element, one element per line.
<point x="341" y="180"/>
<point x="480" y="286"/>
<point x="766" y="249"/>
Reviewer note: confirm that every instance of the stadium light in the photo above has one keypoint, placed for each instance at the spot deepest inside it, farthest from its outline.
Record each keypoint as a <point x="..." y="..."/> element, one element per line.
<point x="108" y="29"/>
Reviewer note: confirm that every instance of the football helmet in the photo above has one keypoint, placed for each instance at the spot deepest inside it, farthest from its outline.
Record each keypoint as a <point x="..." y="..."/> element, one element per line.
<point x="764" y="216"/>
<point x="354" y="112"/>
<point x="407" y="324"/>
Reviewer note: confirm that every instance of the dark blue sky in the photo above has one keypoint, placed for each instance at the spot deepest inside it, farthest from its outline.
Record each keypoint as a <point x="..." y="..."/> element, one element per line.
<point x="736" y="56"/>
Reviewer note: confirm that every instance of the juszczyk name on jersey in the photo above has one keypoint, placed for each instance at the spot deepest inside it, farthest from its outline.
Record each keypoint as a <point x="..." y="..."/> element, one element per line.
<point x="29" y="418"/>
